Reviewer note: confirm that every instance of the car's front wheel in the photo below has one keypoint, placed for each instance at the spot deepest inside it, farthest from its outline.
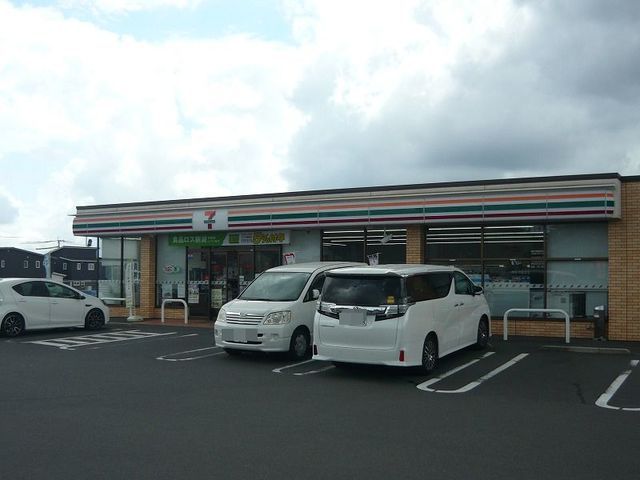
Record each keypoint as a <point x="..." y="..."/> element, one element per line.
<point x="299" y="346"/>
<point x="94" y="320"/>
<point x="13" y="325"/>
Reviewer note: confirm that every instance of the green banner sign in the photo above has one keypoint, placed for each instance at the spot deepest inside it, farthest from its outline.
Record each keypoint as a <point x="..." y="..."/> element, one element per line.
<point x="224" y="239"/>
<point x="213" y="239"/>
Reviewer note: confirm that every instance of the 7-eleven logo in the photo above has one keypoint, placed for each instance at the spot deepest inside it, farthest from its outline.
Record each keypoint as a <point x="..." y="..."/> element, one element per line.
<point x="210" y="218"/>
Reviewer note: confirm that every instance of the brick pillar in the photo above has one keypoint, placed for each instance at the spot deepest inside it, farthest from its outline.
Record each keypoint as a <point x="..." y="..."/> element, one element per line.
<point x="415" y="244"/>
<point x="624" y="267"/>
<point x="147" y="277"/>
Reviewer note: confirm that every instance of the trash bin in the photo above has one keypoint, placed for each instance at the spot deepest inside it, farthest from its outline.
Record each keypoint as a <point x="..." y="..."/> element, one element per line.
<point x="599" y="320"/>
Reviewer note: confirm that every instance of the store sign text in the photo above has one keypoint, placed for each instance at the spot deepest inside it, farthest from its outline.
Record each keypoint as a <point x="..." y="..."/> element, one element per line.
<point x="223" y="239"/>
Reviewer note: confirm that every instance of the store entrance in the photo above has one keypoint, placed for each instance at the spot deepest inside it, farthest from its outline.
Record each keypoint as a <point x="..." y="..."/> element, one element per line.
<point x="218" y="275"/>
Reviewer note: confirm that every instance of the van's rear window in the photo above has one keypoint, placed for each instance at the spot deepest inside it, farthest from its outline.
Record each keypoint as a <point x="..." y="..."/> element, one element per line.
<point x="362" y="290"/>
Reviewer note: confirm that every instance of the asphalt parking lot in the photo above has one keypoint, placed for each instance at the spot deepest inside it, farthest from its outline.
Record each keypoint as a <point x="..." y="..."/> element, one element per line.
<point x="139" y="401"/>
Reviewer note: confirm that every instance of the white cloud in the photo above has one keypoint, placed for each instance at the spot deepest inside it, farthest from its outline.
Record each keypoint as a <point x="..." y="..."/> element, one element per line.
<point x="368" y="92"/>
<point x="123" y="120"/>
<point x="125" y="6"/>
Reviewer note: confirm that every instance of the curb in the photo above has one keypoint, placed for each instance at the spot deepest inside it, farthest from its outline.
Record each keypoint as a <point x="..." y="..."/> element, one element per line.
<point x="609" y="350"/>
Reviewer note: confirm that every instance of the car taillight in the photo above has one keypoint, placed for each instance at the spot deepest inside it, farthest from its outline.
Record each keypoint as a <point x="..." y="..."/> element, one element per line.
<point x="401" y="357"/>
<point x="315" y="349"/>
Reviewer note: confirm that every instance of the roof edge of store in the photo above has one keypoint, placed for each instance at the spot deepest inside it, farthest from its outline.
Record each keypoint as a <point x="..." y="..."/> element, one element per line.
<point x="406" y="189"/>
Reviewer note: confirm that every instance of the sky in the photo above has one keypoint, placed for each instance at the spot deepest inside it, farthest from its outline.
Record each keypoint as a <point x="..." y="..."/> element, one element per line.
<point x="112" y="101"/>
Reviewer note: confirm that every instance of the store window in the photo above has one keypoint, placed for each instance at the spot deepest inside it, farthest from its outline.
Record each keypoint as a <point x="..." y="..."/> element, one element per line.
<point x="577" y="267"/>
<point x="386" y="245"/>
<point x="513" y="267"/>
<point x="453" y="243"/>
<point x="110" y="272"/>
<point x="119" y="269"/>
<point x="345" y="245"/>
<point x="266" y="258"/>
<point x="375" y="245"/>
<point x="529" y="266"/>
<point x="171" y="265"/>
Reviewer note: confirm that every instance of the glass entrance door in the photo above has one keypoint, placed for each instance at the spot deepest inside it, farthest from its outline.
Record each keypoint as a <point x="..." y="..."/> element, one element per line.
<point x="216" y="276"/>
<point x="231" y="272"/>
<point x="219" y="284"/>
<point x="198" y="281"/>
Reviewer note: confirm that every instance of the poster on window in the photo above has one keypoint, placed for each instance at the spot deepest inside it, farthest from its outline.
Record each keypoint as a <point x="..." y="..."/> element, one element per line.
<point x="373" y="258"/>
<point x="194" y="293"/>
<point x="167" y="290"/>
<point x="216" y="298"/>
<point x="289" y="258"/>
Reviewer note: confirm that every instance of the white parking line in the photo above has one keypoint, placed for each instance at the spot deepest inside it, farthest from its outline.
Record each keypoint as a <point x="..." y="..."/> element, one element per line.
<point x="311" y="372"/>
<point x="603" y="400"/>
<point x="186" y="359"/>
<point x="470" y="386"/>
<point x="279" y="370"/>
<point x="70" y="343"/>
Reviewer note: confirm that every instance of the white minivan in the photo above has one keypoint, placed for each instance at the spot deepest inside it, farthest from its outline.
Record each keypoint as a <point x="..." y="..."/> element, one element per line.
<point x="275" y="312"/>
<point x="398" y="315"/>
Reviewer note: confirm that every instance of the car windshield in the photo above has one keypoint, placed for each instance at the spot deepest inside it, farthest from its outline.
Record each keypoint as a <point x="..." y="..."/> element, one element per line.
<point x="362" y="290"/>
<point x="276" y="287"/>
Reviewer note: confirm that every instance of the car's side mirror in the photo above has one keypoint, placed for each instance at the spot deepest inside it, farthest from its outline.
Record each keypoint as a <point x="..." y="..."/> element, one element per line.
<point x="315" y="294"/>
<point x="477" y="290"/>
<point x="81" y="297"/>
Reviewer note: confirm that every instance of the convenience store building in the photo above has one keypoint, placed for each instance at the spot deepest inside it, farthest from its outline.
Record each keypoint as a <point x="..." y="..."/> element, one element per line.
<point x="568" y="242"/>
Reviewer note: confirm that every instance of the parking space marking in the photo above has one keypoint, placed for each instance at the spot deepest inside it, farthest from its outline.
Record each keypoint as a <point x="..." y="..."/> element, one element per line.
<point x="425" y="386"/>
<point x="279" y="370"/>
<point x="603" y="400"/>
<point x="312" y="372"/>
<point x="186" y="359"/>
<point x="70" y="343"/>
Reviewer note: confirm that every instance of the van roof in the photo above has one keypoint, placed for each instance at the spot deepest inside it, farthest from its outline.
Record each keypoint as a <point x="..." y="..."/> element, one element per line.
<point x="310" y="267"/>
<point x="400" y="269"/>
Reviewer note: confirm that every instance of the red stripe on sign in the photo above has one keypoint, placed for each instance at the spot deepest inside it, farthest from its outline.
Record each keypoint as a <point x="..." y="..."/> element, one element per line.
<point x="395" y="219"/>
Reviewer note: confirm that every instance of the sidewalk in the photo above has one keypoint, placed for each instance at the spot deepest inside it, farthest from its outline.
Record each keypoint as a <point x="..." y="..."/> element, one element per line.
<point x="576" y="345"/>
<point x="169" y="322"/>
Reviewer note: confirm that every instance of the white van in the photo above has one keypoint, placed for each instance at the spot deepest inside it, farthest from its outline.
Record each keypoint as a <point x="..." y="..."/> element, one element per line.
<point x="275" y="312"/>
<point x="399" y="315"/>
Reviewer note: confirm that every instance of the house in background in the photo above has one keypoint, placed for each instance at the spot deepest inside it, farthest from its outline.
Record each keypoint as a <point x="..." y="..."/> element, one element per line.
<point x="19" y="263"/>
<point x="76" y="266"/>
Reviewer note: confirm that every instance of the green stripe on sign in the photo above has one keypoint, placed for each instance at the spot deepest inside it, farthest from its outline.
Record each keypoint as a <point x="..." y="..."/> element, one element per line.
<point x="354" y="213"/>
<point x="470" y="208"/>
<point x="597" y="203"/>
<point x="516" y="206"/>
<point x="249" y="218"/>
<point x="284" y="216"/>
<point x="397" y="211"/>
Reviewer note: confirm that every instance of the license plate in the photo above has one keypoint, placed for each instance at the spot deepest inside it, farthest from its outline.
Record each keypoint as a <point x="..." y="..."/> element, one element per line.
<point x="354" y="318"/>
<point x="240" y="335"/>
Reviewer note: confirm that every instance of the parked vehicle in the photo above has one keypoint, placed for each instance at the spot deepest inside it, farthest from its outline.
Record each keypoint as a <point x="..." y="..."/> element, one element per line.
<point x="399" y="315"/>
<point x="275" y="312"/>
<point x="30" y="304"/>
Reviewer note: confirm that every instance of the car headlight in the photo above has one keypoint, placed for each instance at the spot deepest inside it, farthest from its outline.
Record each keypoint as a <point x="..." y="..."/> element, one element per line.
<point x="278" y="318"/>
<point x="222" y="315"/>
